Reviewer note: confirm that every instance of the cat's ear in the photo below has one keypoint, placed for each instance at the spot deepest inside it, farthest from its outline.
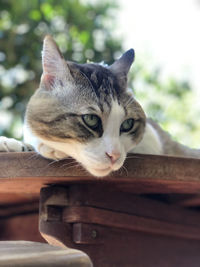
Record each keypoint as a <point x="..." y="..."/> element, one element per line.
<point x="53" y="63"/>
<point x="123" y="64"/>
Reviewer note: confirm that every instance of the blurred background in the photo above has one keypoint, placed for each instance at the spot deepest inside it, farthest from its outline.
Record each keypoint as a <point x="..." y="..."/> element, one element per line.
<point x="165" y="35"/>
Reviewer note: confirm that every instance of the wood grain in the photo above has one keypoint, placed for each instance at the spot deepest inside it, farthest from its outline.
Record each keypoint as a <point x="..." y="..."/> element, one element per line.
<point x="116" y="247"/>
<point x="128" y="222"/>
<point x="111" y="199"/>
<point x="119" y="229"/>
<point x="20" y="227"/>
<point x="24" y="253"/>
<point x="27" y="172"/>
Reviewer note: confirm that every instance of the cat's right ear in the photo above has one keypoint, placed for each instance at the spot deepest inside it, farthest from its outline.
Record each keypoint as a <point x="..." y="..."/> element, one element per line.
<point x="123" y="64"/>
<point x="53" y="63"/>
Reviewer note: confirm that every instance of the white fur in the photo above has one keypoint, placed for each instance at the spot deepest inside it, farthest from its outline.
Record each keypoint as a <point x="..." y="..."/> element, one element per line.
<point x="10" y="145"/>
<point x="150" y="144"/>
<point x="111" y="137"/>
<point x="52" y="61"/>
<point x="29" y="137"/>
<point x="93" y="154"/>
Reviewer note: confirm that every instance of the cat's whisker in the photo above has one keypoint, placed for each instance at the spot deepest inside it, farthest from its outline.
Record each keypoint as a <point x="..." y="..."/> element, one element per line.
<point x="82" y="168"/>
<point x="68" y="164"/>
<point x="133" y="157"/>
<point x="122" y="77"/>
<point x="124" y="168"/>
<point x="67" y="157"/>
<point x="70" y="167"/>
<point x="53" y="162"/>
<point x="87" y="79"/>
<point x="127" y="102"/>
<point x="50" y="164"/>
<point x="112" y="174"/>
<point x="34" y="156"/>
<point x="73" y="166"/>
<point x="130" y="101"/>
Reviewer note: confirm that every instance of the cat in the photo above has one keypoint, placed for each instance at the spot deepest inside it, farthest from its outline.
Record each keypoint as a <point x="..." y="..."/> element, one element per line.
<point x="86" y="111"/>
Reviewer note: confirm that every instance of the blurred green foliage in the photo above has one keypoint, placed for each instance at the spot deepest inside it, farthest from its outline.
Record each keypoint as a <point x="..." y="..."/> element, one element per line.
<point x="170" y="102"/>
<point x="83" y="31"/>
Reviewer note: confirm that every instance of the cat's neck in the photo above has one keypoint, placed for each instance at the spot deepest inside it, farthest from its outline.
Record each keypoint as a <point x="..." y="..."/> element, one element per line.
<point x="156" y="141"/>
<point x="150" y="144"/>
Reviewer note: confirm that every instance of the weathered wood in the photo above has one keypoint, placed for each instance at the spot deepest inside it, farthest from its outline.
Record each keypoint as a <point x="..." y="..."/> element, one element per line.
<point x="19" y="209"/>
<point x="103" y="217"/>
<point x="87" y="234"/>
<point x="27" y="172"/>
<point x="17" y="198"/>
<point x="21" y="227"/>
<point x="109" y="198"/>
<point x="192" y="201"/>
<point x="86" y="204"/>
<point x="128" y="222"/>
<point x="129" y="248"/>
<point x="119" y="229"/>
<point x="23" y="253"/>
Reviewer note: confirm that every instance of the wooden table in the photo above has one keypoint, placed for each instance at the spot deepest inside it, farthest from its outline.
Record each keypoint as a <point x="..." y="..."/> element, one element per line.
<point x="146" y="214"/>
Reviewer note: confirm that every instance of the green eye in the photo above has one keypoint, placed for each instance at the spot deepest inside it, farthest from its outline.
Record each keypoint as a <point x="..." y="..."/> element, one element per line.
<point x="91" y="120"/>
<point x="127" y="125"/>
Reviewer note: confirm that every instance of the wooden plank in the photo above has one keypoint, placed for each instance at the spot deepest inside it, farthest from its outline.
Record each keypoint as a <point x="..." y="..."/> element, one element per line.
<point x="112" y="199"/>
<point x="86" y="204"/>
<point x="21" y="227"/>
<point x="27" y="172"/>
<point x="110" y="235"/>
<point x="19" y="209"/>
<point x="118" y="247"/>
<point x="189" y="202"/>
<point x="30" y="164"/>
<point x="24" y="253"/>
<point x="129" y="222"/>
<point x="17" y="198"/>
<point x="83" y="233"/>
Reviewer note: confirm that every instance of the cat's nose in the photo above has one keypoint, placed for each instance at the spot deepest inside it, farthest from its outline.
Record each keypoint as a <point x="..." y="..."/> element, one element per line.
<point x="113" y="156"/>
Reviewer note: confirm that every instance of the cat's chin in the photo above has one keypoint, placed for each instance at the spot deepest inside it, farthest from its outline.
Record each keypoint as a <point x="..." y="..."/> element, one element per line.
<point x="103" y="171"/>
<point x="100" y="172"/>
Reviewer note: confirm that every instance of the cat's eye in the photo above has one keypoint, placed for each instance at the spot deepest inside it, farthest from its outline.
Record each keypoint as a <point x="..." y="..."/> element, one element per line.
<point x="127" y="125"/>
<point x="91" y="120"/>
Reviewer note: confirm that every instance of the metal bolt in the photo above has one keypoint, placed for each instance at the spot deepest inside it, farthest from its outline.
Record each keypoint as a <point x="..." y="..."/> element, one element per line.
<point x="94" y="234"/>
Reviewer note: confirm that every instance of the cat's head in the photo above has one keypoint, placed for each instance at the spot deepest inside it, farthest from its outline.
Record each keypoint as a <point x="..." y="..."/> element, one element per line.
<point x="85" y="110"/>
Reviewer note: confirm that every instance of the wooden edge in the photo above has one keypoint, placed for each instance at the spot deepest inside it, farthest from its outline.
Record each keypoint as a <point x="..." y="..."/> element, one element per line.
<point x="112" y="219"/>
<point x="28" y="172"/>
<point x="26" y="253"/>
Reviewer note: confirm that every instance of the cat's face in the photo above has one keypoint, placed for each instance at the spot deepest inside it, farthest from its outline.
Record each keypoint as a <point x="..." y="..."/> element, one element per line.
<point x="85" y="111"/>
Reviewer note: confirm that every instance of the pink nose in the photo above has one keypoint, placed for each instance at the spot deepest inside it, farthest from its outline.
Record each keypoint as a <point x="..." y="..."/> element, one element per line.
<point x="113" y="156"/>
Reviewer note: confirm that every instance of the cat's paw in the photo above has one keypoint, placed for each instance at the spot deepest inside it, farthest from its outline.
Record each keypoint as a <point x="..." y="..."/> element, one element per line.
<point x="13" y="145"/>
<point x="50" y="153"/>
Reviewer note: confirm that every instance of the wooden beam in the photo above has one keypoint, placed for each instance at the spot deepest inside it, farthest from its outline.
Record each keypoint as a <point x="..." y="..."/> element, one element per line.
<point x="27" y="172"/>
<point x="131" y="222"/>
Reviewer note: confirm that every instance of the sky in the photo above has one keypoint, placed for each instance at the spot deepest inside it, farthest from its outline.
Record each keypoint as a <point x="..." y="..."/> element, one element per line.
<point x="166" y="32"/>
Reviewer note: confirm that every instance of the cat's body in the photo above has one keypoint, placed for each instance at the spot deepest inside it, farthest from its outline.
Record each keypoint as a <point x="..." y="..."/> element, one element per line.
<point x="157" y="141"/>
<point x="86" y="112"/>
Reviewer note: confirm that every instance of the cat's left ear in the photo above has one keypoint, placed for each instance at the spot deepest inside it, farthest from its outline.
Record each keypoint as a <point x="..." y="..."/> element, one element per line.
<point x="54" y="66"/>
<point x="123" y="64"/>
<point x="52" y="59"/>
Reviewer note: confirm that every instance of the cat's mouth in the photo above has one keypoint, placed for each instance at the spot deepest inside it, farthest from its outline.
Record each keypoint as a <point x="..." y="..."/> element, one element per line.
<point x="100" y="172"/>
